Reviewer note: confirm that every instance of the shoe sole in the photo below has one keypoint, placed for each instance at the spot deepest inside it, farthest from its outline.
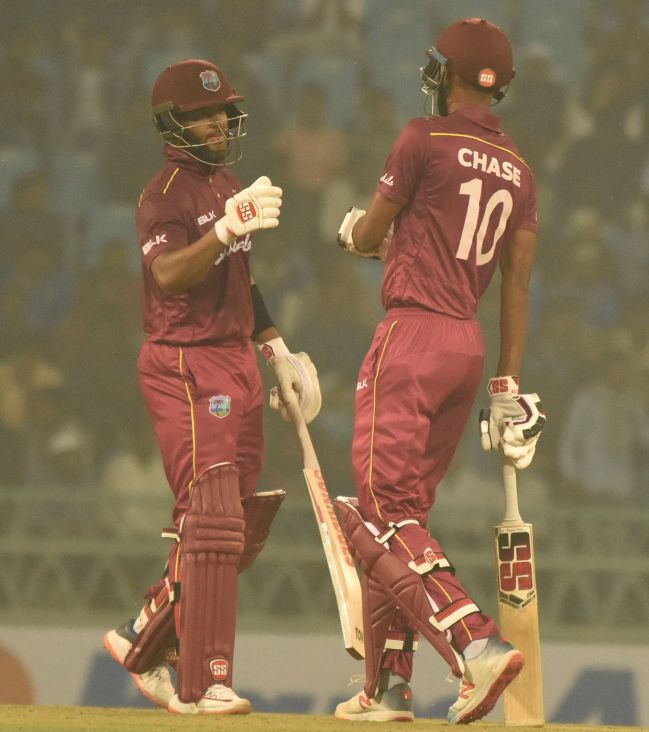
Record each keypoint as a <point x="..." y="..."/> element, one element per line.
<point x="376" y="717"/>
<point x="157" y="701"/>
<point x="242" y="709"/>
<point x="507" y="675"/>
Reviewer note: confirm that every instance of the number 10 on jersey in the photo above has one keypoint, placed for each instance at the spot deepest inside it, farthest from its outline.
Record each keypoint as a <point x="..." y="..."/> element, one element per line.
<point x="476" y="221"/>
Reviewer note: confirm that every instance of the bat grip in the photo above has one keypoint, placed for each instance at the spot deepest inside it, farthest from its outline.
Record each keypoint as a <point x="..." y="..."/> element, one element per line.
<point x="512" y="513"/>
<point x="308" y="451"/>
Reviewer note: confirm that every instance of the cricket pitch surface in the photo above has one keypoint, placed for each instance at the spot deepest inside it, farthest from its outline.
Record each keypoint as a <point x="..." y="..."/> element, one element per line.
<point x="23" y="718"/>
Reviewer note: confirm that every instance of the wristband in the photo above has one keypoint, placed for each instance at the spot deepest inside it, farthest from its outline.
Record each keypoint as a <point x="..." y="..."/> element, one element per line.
<point x="274" y="348"/>
<point x="223" y="234"/>
<point x="263" y="321"/>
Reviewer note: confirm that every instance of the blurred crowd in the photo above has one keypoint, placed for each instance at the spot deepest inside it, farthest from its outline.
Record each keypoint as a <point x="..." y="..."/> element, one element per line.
<point x="327" y="85"/>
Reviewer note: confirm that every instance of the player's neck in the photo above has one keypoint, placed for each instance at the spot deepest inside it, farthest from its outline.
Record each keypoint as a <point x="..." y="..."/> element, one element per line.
<point x="456" y="104"/>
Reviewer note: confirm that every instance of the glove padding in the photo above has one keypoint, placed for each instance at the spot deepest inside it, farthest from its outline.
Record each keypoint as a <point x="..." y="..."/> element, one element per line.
<point x="514" y="421"/>
<point x="297" y="377"/>
<point x="253" y="208"/>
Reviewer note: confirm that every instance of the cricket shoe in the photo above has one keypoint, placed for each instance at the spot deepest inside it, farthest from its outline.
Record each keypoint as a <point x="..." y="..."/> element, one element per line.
<point x="218" y="699"/>
<point x="485" y="678"/>
<point x="392" y="705"/>
<point x="155" y="684"/>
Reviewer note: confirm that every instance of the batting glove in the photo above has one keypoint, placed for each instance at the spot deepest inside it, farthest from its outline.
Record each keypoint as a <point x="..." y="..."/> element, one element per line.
<point x="345" y="233"/>
<point x="513" y="421"/>
<point x="253" y="208"/>
<point x="297" y="378"/>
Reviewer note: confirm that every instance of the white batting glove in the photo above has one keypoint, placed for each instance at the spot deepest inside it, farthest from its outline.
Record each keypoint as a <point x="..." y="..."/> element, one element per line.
<point x="514" y="421"/>
<point x="297" y="377"/>
<point x="253" y="208"/>
<point x="345" y="233"/>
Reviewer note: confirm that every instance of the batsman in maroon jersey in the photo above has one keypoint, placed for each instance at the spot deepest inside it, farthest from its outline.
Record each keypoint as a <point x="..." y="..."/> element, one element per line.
<point x="456" y="201"/>
<point x="200" y="380"/>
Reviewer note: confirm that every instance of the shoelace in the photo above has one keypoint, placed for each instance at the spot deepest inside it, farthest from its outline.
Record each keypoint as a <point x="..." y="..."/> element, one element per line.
<point x="219" y="693"/>
<point x="158" y="672"/>
<point x="356" y="679"/>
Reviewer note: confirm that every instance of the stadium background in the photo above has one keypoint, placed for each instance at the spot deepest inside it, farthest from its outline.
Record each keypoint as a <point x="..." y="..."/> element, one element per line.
<point x="328" y="84"/>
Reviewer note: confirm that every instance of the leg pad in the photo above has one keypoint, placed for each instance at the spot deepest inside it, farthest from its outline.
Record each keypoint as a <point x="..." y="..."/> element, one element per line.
<point x="258" y="512"/>
<point x="401" y="584"/>
<point x="157" y="634"/>
<point x="211" y="545"/>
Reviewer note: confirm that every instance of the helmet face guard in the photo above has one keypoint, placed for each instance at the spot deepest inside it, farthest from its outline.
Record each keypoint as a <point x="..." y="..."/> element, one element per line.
<point x="432" y="76"/>
<point x="173" y="129"/>
<point x="433" y="73"/>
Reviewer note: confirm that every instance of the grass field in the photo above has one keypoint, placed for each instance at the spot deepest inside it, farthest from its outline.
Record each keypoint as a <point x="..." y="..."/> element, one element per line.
<point x="97" y="719"/>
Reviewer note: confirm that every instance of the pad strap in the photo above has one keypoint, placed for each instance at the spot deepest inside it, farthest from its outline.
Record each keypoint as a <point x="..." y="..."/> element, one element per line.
<point x="444" y="618"/>
<point x="401" y="641"/>
<point x="431" y="561"/>
<point x="393" y="529"/>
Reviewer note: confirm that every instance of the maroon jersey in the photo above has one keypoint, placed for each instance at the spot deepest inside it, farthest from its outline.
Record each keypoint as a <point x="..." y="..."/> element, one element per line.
<point x="179" y="206"/>
<point x="465" y="191"/>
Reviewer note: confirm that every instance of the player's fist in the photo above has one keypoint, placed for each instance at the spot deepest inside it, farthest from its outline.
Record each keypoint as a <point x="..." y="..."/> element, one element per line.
<point x="253" y="208"/>
<point x="346" y="241"/>
<point x="297" y="378"/>
<point x="513" y="421"/>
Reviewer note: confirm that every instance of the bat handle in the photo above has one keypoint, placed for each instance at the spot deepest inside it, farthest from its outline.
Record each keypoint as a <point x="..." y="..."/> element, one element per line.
<point x="310" y="458"/>
<point x="512" y="513"/>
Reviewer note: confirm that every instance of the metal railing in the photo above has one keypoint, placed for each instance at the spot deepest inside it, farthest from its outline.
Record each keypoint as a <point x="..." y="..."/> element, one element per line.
<point x="61" y="564"/>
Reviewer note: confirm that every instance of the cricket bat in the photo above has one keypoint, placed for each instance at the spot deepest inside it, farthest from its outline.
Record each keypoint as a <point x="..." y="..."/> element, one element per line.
<point x="341" y="565"/>
<point x="518" y="607"/>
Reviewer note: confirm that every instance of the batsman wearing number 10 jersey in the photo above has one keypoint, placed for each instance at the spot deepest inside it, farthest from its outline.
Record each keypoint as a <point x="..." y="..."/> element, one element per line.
<point x="455" y="202"/>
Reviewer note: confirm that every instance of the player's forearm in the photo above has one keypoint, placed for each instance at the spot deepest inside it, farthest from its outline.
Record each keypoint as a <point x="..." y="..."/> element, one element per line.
<point x="370" y="230"/>
<point x="514" y="307"/>
<point x="365" y="239"/>
<point x="178" y="271"/>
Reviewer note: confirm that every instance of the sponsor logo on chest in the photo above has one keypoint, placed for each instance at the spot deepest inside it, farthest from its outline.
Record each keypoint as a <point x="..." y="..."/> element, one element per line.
<point x="241" y="245"/>
<point x="206" y="218"/>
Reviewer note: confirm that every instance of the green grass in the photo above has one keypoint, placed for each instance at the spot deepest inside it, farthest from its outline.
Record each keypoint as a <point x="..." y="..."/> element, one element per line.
<point x="98" y="719"/>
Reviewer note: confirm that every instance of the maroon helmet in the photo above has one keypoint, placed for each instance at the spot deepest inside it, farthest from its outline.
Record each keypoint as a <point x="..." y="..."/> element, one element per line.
<point x="189" y="86"/>
<point x="477" y="51"/>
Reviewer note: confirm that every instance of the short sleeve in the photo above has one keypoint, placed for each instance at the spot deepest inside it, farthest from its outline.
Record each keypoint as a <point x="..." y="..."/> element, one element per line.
<point x="160" y="228"/>
<point x="529" y="220"/>
<point x="405" y="165"/>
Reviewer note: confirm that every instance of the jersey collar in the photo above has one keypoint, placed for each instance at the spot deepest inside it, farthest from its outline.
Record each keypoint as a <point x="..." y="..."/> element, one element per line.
<point x="480" y="117"/>
<point x="184" y="160"/>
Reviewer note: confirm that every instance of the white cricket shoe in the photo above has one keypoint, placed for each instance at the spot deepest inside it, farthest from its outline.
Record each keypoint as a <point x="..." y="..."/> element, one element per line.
<point x="485" y="678"/>
<point x="218" y="699"/>
<point x="392" y="705"/>
<point x="155" y="684"/>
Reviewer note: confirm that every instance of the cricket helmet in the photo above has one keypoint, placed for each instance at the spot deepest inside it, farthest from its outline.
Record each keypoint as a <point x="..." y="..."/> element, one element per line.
<point x="189" y="86"/>
<point x="478" y="51"/>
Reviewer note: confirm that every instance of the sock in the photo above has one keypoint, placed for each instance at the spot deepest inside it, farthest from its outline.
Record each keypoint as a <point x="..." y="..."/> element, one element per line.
<point x="395" y="679"/>
<point x="474" y="649"/>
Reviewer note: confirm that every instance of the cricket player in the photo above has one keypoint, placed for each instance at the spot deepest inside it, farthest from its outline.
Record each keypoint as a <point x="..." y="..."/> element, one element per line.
<point x="456" y="200"/>
<point x="200" y="380"/>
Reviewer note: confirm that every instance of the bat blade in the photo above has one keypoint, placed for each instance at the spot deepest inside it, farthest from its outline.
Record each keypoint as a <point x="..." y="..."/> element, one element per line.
<point x="519" y="620"/>
<point x="340" y="562"/>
